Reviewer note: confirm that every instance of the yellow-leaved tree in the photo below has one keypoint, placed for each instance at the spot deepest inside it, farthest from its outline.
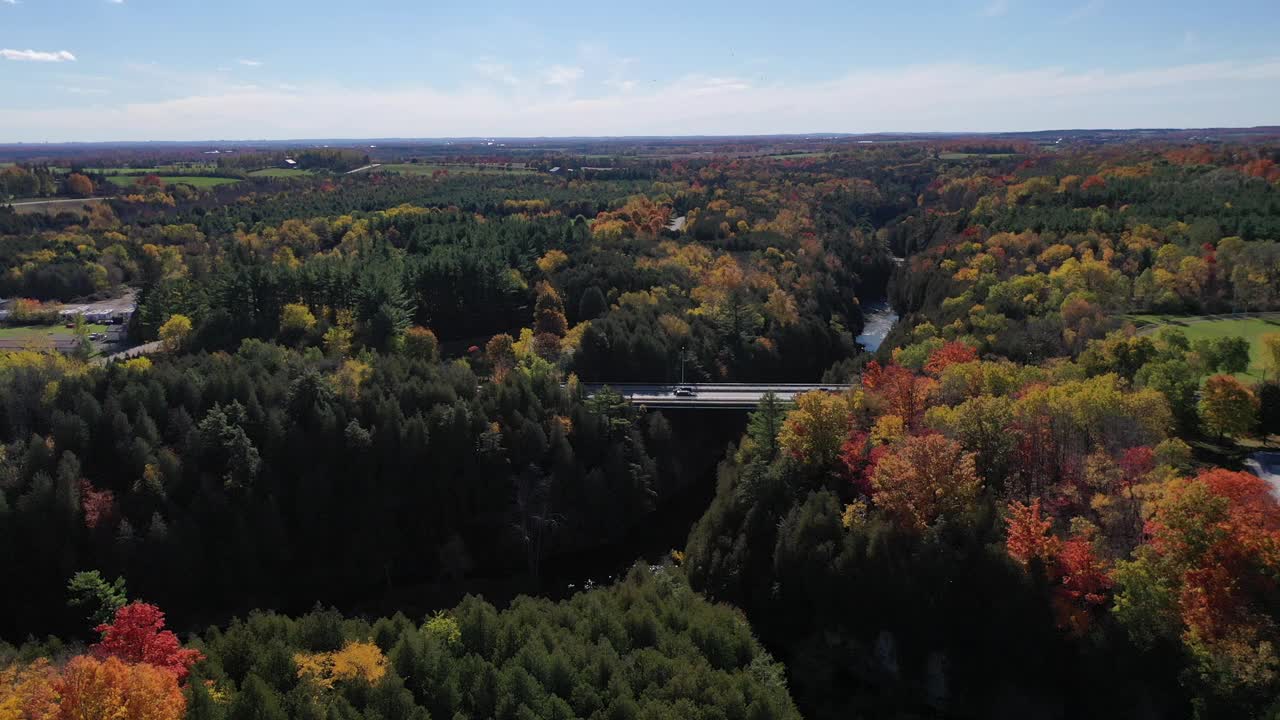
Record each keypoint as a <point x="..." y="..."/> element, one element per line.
<point x="362" y="661"/>
<point x="27" y="691"/>
<point x="814" y="430"/>
<point x="174" y="332"/>
<point x="349" y="376"/>
<point x="1271" y="354"/>
<point x="296" y="320"/>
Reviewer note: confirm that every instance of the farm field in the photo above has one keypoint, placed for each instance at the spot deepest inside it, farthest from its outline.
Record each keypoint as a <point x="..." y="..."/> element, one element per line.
<point x="429" y="168"/>
<point x="970" y="156"/>
<point x="798" y="155"/>
<point x="1216" y="326"/>
<point x="199" y="181"/>
<point x="174" y="168"/>
<point x="280" y="172"/>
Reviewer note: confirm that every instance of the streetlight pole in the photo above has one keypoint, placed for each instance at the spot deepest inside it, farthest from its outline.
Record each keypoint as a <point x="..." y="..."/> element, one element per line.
<point x="682" y="356"/>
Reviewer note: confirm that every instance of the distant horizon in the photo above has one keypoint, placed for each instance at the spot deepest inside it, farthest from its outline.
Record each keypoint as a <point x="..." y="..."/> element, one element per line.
<point x="693" y="136"/>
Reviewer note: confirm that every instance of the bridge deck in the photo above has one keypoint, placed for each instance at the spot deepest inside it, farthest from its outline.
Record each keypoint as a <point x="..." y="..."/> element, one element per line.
<point x="728" y="396"/>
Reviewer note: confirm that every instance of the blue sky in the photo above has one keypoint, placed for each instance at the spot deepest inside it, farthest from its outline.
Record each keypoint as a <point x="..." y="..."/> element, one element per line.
<point x="234" y="69"/>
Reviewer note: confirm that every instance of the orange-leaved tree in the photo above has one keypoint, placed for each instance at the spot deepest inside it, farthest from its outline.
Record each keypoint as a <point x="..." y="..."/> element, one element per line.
<point x="28" y="691"/>
<point x="1030" y="535"/>
<point x="923" y="479"/>
<point x="92" y="688"/>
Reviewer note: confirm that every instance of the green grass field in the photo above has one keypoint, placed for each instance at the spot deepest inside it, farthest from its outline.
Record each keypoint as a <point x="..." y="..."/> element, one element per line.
<point x="280" y="172"/>
<point x="125" y="181"/>
<point x="39" y="335"/>
<point x="158" y="169"/>
<point x="1196" y="328"/>
<point x="429" y="168"/>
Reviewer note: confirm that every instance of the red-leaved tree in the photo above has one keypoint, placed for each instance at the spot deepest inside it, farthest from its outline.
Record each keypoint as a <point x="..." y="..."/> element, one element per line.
<point x="953" y="353"/>
<point x="902" y="392"/>
<point x="138" y="636"/>
<point x="99" y="505"/>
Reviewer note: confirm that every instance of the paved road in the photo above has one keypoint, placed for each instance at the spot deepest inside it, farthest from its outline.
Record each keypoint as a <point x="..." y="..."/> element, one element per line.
<point x="28" y="203"/>
<point x="362" y="169"/>
<point x="136" y="351"/>
<point x="22" y="203"/>
<point x="727" y="396"/>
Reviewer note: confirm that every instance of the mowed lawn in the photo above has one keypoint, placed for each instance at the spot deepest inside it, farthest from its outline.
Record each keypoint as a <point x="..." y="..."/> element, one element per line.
<point x="125" y="181"/>
<point x="40" y="336"/>
<point x="1252" y="328"/>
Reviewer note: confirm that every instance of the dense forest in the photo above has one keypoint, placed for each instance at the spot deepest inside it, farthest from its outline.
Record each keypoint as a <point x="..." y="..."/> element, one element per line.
<point x="376" y="392"/>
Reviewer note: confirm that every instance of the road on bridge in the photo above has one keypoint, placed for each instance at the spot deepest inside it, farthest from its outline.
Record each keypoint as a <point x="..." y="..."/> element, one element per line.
<point x="727" y="396"/>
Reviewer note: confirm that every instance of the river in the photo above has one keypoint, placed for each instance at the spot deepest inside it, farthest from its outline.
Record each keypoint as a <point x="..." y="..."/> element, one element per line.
<point x="1266" y="465"/>
<point x="879" y="319"/>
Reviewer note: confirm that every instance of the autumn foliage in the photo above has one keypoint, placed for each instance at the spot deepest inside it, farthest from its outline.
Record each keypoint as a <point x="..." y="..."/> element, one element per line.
<point x="815" y="429"/>
<point x="134" y="673"/>
<point x="1079" y="578"/>
<point x="952" y="353"/>
<point x="138" y="636"/>
<point x="90" y="688"/>
<point x="1212" y="561"/>
<point x="1029" y="535"/>
<point x="902" y="392"/>
<point x="355" y="661"/>
<point x="928" y="477"/>
<point x="28" y="691"/>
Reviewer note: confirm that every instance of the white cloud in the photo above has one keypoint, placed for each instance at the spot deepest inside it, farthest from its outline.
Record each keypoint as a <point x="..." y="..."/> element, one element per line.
<point x="36" y="55"/>
<point x="9" y="2"/>
<point x="562" y="75"/>
<point x="116" y="2"/>
<point x="938" y="97"/>
<point x="250" y="63"/>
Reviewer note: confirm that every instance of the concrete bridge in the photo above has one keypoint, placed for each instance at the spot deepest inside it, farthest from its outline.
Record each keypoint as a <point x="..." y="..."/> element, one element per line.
<point x="723" y="396"/>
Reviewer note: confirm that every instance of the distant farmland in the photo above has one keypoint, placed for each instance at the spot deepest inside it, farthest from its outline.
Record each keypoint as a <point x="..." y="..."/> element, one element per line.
<point x="971" y="156"/>
<point x="280" y="172"/>
<point x="430" y="168"/>
<point x="155" y="169"/>
<point x="125" y="181"/>
<point x="1251" y="328"/>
